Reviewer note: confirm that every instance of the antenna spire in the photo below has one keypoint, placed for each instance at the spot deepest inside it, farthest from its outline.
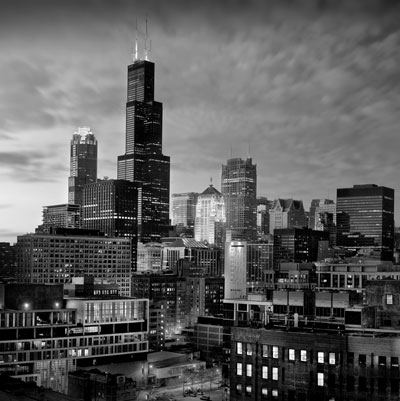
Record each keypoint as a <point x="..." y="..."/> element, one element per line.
<point x="145" y="43"/>
<point x="211" y="181"/>
<point x="136" y="42"/>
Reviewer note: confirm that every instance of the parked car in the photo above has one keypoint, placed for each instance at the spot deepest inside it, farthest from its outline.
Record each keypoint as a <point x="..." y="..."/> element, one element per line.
<point x="205" y="398"/>
<point x="189" y="393"/>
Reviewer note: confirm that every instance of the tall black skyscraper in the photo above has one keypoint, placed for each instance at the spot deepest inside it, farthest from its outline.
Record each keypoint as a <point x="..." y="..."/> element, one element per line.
<point x="365" y="219"/>
<point x="143" y="161"/>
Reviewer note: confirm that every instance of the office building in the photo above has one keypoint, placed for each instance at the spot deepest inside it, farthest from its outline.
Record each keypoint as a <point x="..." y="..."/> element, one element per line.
<point x="365" y="220"/>
<point x="83" y="165"/>
<point x="210" y="217"/>
<point x="248" y="267"/>
<point x="263" y="207"/>
<point x="319" y="208"/>
<point x="45" y="334"/>
<point x="65" y="216"/>
<point x="239" y="188"/>
<point x="286" y="213"/>
<point x="297" y="245"/>
<point x="184" y="212"/>
<point x="57" y="258"/>
<point x="143" y="161"/>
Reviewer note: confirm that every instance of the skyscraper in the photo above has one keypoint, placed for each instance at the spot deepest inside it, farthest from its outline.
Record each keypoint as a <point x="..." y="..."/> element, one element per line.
<point x="83" y="166"/>
<point x="210" y="217"/>
<point x="143" y="161"/>
<point x="365" y="220"/>
<point x="286" y="213"/>
<point x="239" y="188"/>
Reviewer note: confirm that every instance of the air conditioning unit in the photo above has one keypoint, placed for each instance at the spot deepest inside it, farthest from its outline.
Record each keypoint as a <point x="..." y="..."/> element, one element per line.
<point x="120" y="379"/>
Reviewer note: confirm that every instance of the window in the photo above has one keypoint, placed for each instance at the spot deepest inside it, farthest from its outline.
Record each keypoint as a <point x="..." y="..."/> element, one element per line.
<point x="248" y="389"/>
<point x="362" y="383"/>
<point x="239" y="348"/>
<point x="239" y="369"/>
<point x="265" y="351"/>
<point x="249" y="350"/>
<point x="382" y="384"/>
<point x="275" y="352"/>
<point x="320" y="357"/>
<point x="249" y="370"/>
<point x="350" y="358"/>
<point x="238" y="388"/>
<point x="265" y="372"/>
<point x="291" y="354"/>
<point x="264" y="392"/>
<point x="394" y="386"/>
<point x="389" y="299"/>
<point x="274" y="373"/>
<point x="350" y="383"/>
<point x="320" y="379"/>
<point x="275" y="393"/>
<point x="394" y="362"/>
<point x="382" y="361"/>
<point x="362" y="359"/>
<point x="332" y="358"/>
<point x="303" y="355"/>
<point x="331" y="380"/>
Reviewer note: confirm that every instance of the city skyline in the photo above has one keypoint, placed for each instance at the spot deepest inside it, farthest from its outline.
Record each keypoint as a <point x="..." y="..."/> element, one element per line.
<point x="308" y="89"/>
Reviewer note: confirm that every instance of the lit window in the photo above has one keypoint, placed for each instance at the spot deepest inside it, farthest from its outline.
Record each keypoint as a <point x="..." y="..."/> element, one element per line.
<point x="265" y="372"/>
<point x="249" y="350"/>
<point x="303" y="355"/>
<point x="265" y="350"/>
<point x="239" y="369"/>
<point x="264" y="391"/>
<point x="320" y="356"/>
<point x="274" y="373"/>
<point x="248" y="389"/>
<point x="248" y="370"/>
<point x="239" y="348"/>
<point x="332" y="358"/>
<point x="238" y="388"/>
<point x="275" y="353"/>
<point x="389" y="299"/>
<point x="291" y="354"/>
<point x="320" y="379"/>
<point x="275" y="393"/>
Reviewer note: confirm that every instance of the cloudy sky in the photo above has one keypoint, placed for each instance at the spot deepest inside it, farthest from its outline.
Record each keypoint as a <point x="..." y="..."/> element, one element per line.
<point x="309" y="89"/>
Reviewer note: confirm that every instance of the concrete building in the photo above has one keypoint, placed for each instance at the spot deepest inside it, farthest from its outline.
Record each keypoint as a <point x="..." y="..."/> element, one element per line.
<point x="57" y="258"/>
<point x="65" y="216"/>
<point x="248" y="267"/>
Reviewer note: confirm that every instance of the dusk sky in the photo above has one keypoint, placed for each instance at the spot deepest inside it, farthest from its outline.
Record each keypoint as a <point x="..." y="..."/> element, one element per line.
<point x="309" y="89"/>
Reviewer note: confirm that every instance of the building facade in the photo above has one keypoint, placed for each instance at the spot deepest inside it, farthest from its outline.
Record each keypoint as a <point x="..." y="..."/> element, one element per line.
<point x="57" y="258"/>
<point x="143" y="161"/>
<point x="365" y="220"/>
<point x="286" y="213"/>
<point x="210" y="217"/>
<point x="184" y="212"/>
<point x="65" y="216"/>
<point x="83" y="165"/>
<point x="239" y="188"/>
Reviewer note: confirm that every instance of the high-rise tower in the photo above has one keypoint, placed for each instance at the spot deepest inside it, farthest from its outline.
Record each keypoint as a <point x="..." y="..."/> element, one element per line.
<point x="365" y="220"/>
<point x="83" y="167"/>
<point x="239" y="187"/>
<point x="143" y="161"/>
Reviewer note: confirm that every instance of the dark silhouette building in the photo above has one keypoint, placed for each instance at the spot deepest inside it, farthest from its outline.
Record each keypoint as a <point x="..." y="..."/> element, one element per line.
<point x="143" y="161"/>
<point x="239" y="188"/>
<point x="83" y="167"/>
<point x="365" y="220"/>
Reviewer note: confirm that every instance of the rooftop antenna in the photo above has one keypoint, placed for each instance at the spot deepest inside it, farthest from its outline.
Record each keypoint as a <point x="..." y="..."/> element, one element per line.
<point x="136" y="42"/>
<point x="248" y="150"/>
<point x="145" y="43"/>
<point x="211" y="181"/>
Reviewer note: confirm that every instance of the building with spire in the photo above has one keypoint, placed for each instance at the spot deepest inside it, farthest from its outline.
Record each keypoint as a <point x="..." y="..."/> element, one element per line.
<point x="83" y="166"/>
<point x="210" y="217"/>
<point x="239" y="188"/>
<point x="143" y="161"/>
<point x="286" y="213"/>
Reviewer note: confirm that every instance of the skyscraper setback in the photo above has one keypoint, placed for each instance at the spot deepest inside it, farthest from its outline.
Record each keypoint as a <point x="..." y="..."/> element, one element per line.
<point x="83" y="166"/>
<point x="143" y="161"/>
